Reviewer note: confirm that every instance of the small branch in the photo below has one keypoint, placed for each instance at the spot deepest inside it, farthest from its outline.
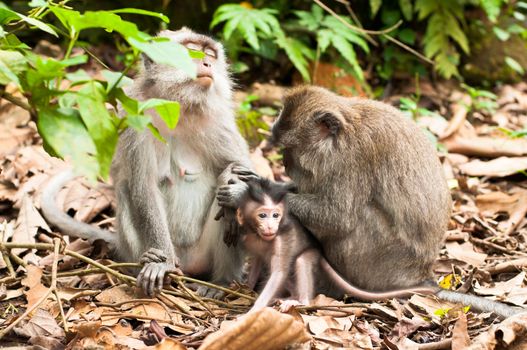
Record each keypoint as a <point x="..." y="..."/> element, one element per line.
<point x="355" y="28"/>
<point x="212" y="285"/>
<point x="356" y="19"/>
<point x="51" y="289"/>
<point x="20" y="103"/>
<point x="144" y="317"/>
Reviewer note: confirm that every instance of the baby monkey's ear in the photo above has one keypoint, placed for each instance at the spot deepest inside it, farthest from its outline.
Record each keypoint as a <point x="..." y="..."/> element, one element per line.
<point x="330" y="123"/>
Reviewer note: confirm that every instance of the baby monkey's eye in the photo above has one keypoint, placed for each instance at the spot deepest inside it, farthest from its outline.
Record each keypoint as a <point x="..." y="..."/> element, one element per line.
<point x="276" y="215"/>
<point x="262" y="215"/>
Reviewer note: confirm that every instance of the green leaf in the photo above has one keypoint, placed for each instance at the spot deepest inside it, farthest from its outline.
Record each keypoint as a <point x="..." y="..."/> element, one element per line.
<point x="347" y="51"/>
<point x="37" y="3"/>
<point x="138" y="121"/>
<point x="514" y="65"/>
<point x="113" y="77"/>
<point x="64" y="132"/>
<point x="143" y="12"/>
<point x="501" y="34"/>
<point x="375" y="5"/>
<point x="91" y="100"/>
<point x="167" y="52"/>
<point x="7" y="16"/>
<point x="324" y="39"/>
<point x="491" y="8"/>
<point x="167" y="110"/>
<point x="12" y="63"/>
<point x="297" y="52"/>
<point x="406" y="9"/>
<point x="407" y="36"/>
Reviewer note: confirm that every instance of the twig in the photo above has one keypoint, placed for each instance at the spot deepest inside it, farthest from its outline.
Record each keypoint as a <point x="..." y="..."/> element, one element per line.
<point x="380" y="32"/>
<point x="54" y="266"/>
<point x="509" y="266"/>
<point x="211" y="285"/>
<point x="144" y="317"/>
<point x="490" y="245"/>
<point x="61" y="308"/>
<point x="194" y="297"/>
<point x="355" y="18"/>
<point x="331" y="307"/>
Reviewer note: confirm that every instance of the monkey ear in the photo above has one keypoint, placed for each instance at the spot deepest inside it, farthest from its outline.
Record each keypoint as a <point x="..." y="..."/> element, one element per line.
<point x="330" y="123"/>
<point x="239" y="217"/>
<point x="147" y="61"/>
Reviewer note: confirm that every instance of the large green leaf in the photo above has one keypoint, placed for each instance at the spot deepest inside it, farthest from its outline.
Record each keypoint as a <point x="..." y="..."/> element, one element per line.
<point x="167" y="52"/>
<point x="167" y="110"/>
<point x="99" y="122"/>
<point x="11" y="64"/>
<point x="143" y="12"/>
<point x="65" y="135"/>
<point x="297" y="52"/>
<point x="7" y="15"/>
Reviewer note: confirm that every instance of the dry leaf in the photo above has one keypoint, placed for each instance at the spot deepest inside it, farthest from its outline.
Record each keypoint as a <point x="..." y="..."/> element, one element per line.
<point x="460" y="338"/>
<point x="465" y="252"/>
<point x="27" y="224"/>
<point x="510" y="334"/>
<point x="499" y="167"/>
<point x="116" y="294"/>
<point x="169" y="344"/>
<point x="41" y="324"/>
<point x="266" y="329"/>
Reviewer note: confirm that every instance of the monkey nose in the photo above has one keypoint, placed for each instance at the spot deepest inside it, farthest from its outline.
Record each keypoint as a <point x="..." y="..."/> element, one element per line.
<point x="207" y="64"/>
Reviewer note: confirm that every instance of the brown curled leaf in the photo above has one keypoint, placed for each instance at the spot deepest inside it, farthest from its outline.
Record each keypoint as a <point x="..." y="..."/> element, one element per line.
<point x="510" y="334"/>
<point x="266" y="329"/>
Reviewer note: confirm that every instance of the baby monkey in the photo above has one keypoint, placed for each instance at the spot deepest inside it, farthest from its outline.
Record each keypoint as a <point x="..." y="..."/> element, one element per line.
<point x="289" y="253"/>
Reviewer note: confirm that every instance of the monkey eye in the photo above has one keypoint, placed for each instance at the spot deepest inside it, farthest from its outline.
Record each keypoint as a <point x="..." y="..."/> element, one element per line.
<point x="210" y="52"/>
<point x="262" y="215"/>
<point x="276" y="215"/>
<point x="193" y="46"/>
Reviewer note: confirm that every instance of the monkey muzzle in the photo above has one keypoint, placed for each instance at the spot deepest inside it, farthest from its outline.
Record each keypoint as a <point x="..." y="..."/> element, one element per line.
<point x="268" y="236"/>
<point x="204" y="80"/>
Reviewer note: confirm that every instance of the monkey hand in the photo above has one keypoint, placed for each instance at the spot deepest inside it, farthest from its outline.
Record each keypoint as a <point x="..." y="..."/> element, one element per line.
<point x="244" y="174"/>
<point x="155" y="266"/>
<point x="208" y="292"/>
<point x="231" y="229"/>
<point x="286" y="305"/>
<point x="229" y="196"/>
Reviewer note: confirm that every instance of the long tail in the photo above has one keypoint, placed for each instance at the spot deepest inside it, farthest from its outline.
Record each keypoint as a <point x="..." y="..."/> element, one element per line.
<point x="356" y="292"/>
<point x="63" y="221"/>
<point x="479" y="303"/>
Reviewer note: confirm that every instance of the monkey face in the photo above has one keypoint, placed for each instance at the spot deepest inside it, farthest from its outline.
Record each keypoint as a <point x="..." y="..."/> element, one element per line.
<point x="267" y="219"/>
<point x="310" y="128"/>
<point x="212" y="78"/>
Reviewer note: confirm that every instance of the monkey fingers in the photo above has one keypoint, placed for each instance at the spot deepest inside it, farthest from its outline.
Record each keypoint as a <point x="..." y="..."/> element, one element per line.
<point x="153" y="255"/>
<point x="151" y="278"/>
<point x="229" y="196"/>
<point x="244" y="174"/>
<point x="211" y="293"/>
<point x="286" y="305"/>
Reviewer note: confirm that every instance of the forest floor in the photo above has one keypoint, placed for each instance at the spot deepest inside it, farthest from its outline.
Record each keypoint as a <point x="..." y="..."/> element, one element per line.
<point x="79" y="298"/>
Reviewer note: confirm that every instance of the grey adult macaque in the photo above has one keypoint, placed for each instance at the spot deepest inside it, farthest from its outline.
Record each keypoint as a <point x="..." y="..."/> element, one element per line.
<point x="166" y="191"/>
<point x="370" y="189"/>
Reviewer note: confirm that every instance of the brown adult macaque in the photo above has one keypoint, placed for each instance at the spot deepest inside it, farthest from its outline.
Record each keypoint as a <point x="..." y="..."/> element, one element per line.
<point x="291" y="257"/>
<point x="166" y="191"/>
<point x="370" y="189"/>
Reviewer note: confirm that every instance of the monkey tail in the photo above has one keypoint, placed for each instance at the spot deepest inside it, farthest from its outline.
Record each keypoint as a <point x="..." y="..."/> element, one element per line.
<point x="362" y="294"/>
<point x="479" y="303"/>
<point x="63" y="221"/>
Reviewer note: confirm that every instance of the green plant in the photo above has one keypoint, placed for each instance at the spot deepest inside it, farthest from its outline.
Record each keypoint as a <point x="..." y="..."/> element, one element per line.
<point x="68" y="105"/>
<point x="249" y="120"/>
<point x="243" y="23"/>
<point x="481" y="100"/>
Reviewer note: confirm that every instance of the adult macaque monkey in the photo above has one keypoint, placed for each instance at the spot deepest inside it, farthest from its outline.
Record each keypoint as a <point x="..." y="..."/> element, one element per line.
<point x="289" y="255"/>
<point x="370" y="189"/>
<point x="165" y="191"/>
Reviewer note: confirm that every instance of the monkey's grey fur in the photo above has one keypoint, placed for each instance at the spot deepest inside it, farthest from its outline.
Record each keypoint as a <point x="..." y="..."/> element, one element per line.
<point x="165" y="192"/>
<point x="370" y="189"/>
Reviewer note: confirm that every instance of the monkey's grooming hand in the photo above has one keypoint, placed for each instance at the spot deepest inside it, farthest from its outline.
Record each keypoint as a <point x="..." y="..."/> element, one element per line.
<point x="244" y="174"/>
<point x="152" y="275"/>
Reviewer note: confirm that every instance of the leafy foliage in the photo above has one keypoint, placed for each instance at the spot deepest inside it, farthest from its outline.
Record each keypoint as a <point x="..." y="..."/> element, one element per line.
<point x="254" y="25"/>
<point x="70" y="107"/>
<point x="249" y="120"/>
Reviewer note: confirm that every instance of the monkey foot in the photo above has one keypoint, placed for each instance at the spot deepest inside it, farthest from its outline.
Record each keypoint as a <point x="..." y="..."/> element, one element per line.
<point x="286" y="305"/>
<point x="212" y="293"/>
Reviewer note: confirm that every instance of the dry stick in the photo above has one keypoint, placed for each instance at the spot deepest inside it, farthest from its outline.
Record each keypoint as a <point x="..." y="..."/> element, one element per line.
<point x="380" y="32"/>
<point x="346" y="3"/>
<point x="460" y="110"/>
<point x="195" y="297"/>
<point x="53" y="286"/>
<point x="509" y="266"/>
<point x="331" y="307"/>
<point x="490" y="245"/>
<point x="212" y="285"/>
<point x="144" y="317"/>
